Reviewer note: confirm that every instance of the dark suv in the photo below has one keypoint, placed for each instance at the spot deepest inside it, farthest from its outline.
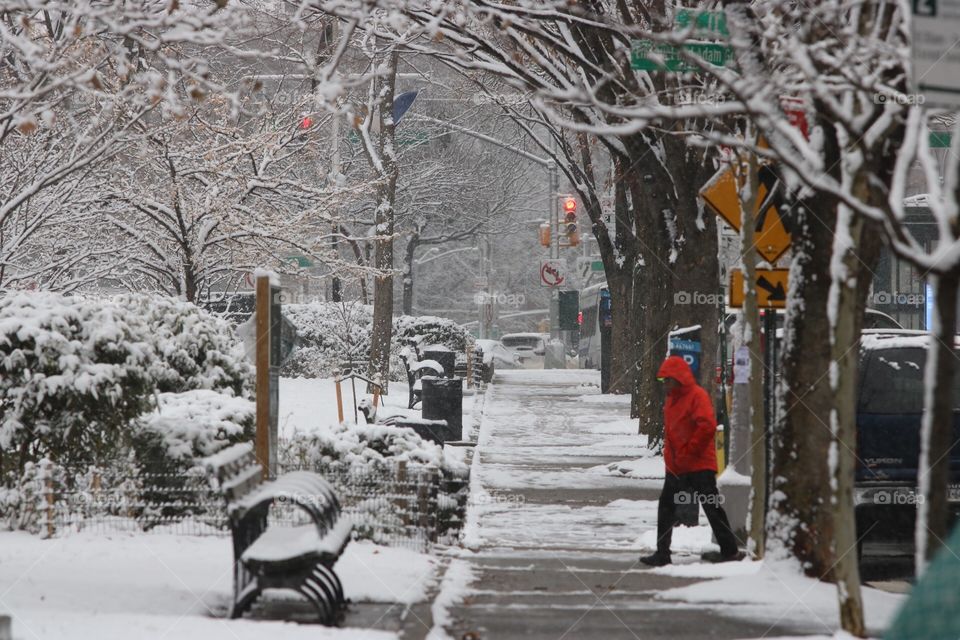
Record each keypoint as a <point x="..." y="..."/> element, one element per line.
<point x="889" y="413"/>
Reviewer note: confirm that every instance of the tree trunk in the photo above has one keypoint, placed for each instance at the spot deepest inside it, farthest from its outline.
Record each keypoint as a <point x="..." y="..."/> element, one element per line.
<point x="408" y="275"/>
<point x="855" y="255"/>
<point x="938" y="419"/>
<point x="800" y="523"/>
<point x="623" y="348"/>
<point x="750" y="338"/>
<point x="382" y="331"/>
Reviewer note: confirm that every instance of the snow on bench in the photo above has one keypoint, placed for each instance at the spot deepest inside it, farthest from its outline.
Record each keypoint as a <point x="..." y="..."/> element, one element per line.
<point x="298" y="558"/>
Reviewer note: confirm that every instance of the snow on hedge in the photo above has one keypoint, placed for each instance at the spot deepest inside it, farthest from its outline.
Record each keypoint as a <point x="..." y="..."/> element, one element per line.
<point x="365" y="446"/>
<point x="72" y="373"/>
<point x="198" y="423"/>
<point x="194" y="348"/>
<point x="331" y="333"/>
<point x="76" y="374"/>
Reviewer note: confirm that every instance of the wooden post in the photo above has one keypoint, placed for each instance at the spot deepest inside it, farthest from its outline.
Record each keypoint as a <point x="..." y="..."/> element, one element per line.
<point x="401" y="492"/>
<point x="263" y="374"/>
<point x="48" y="488"/>
<point x="469" y="366"/>
<point x="339" y="401"/>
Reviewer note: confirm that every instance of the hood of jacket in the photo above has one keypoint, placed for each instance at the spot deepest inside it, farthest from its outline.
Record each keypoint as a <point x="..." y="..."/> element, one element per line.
<point x="677" y="368"/>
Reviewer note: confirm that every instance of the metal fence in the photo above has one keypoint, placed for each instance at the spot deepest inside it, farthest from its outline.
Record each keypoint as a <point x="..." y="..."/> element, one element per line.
<point x="392" y="504"/>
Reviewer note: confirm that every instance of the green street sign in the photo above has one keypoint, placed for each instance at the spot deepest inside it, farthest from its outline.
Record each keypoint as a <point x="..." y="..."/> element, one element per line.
<point x="596" y="265"/>
<point x="300" y="261"/>
<point x="706" y="25"/>
<point x="641" y="50"/>
<point x="940" y="139"/>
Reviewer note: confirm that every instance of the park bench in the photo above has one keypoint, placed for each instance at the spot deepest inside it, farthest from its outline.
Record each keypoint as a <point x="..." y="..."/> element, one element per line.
<point x="416" y="368"/>
<point x="298" y="558"/>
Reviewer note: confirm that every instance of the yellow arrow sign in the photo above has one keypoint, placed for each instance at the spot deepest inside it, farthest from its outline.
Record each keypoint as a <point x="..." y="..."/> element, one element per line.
<point x="771" y="286"/>
<point x="721" y="194"/>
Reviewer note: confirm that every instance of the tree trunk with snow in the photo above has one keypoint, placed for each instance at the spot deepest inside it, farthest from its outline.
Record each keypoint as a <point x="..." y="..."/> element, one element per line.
<point x="854" y="254"/>
<point x="408" y="274"/>
<point x="936" y="434"/>
<point x="750" y="338"/>
<point x="800" y="523"/>
<point x="382" y="330"/>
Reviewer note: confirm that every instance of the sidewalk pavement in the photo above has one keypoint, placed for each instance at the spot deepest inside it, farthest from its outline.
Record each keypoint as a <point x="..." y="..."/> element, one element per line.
<point x="556" y="538"/>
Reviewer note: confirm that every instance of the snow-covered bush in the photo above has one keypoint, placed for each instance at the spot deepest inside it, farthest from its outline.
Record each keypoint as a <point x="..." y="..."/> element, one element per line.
<point x="191" y="425"/>
<point x="331" y="333"/>
<point x="328" y="334"/>
<point x="364" y="446"/>
<point x="73" y="375"/>
<point x="194" y="349"/>
<point x="431" y="330"/>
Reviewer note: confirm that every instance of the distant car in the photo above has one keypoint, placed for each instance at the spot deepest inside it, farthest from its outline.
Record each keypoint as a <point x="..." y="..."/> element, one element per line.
<point x="529" y="348"/>
<point x="889" y="413"/>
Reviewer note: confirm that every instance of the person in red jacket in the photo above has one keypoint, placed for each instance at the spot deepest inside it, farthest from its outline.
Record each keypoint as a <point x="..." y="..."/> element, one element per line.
<point x="689" y="427"/>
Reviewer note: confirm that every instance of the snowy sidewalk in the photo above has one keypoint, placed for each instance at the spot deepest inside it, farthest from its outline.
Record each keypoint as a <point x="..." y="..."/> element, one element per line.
<point x="555" y="536"/>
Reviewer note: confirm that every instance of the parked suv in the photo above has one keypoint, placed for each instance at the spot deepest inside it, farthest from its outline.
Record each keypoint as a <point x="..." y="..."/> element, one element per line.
<point x="889" y="413"/>
<point x="528" y="348"/>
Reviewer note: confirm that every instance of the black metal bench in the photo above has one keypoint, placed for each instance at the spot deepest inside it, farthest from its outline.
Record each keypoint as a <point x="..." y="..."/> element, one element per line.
<point x="298" y="558"/>
<point x="416" y="368"/>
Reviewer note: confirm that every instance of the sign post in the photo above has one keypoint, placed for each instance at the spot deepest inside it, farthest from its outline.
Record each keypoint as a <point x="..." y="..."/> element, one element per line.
<point x="268" y="357"/>
<point x="605" y="320"/>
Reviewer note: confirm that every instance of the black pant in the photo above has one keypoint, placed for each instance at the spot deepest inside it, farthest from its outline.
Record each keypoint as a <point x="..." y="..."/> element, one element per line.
<point x="701" y="487"/>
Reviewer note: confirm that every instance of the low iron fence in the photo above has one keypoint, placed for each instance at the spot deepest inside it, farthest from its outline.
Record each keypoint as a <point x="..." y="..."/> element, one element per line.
<point x="393" y="504"/>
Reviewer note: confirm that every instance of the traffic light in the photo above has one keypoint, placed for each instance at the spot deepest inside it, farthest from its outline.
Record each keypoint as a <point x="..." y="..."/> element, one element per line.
<point x="545" y="234"/>
<point x="568" y="205"/>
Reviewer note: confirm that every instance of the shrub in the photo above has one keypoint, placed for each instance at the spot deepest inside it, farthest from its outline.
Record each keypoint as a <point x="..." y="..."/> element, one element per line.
<point x="73" y="375"/>
<point x="330" y="333"/>
<point x="194" y="349"/>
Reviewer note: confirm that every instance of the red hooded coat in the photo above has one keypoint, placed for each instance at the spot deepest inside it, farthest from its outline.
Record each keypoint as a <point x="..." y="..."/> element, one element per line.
<point x="689" y="424"/>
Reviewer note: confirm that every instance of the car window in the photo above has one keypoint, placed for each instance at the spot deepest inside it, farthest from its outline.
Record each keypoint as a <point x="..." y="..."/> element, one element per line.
<point x="521" y="341"/>
<point x="892" y="381"/>
<point x="879" y="321"/>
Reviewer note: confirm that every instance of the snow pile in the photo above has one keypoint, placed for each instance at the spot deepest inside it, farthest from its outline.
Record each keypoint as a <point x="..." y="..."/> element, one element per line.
<point x="197" y="423"/>
<point x="776" y="592"/>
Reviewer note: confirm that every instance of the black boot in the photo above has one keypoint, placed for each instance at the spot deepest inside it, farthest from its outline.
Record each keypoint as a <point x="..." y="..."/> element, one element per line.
<point x="658" y="559"/>
<point x="716" y="556"/>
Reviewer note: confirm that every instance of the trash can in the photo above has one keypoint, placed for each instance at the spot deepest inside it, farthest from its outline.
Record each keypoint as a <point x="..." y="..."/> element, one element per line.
<point x="443" y="400"/>
<point x="444" y="357"/>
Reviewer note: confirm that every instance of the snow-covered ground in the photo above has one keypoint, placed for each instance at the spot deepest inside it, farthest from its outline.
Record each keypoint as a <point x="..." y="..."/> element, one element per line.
<point x="310" y="404"/>
<point x="773" y="592"/>
<point x="99" y="587"/>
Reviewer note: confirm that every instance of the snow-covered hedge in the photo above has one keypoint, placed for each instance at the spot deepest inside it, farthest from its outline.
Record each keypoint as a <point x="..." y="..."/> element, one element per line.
<point x="194" y="349"/>
<point x="191" y="425"/>
<point x="76" y="375"/>
<point x="365" y="446"/>
<point x="73" y="375"/>
<point x="330" y="333"/>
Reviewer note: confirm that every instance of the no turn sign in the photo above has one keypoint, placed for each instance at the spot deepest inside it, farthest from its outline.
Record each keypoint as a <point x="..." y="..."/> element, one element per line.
<point x="551" y="273"/>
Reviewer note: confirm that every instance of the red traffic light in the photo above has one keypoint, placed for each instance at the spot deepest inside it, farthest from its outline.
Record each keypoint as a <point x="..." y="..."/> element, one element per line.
<point x="570" y="204"/>
<point x="306" y="123"/>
